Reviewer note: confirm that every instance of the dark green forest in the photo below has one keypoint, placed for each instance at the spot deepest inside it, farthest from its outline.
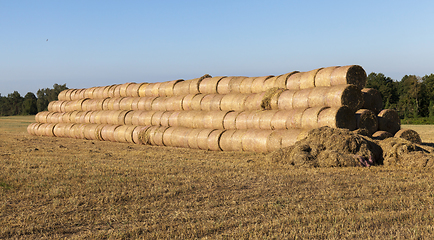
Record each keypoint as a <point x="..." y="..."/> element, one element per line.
<point x="412" y="97"/>
<point x="14" y="104"/>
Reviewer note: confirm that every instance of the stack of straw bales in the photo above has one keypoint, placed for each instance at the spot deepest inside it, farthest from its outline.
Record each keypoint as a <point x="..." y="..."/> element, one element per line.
<point x="258" y="114"/>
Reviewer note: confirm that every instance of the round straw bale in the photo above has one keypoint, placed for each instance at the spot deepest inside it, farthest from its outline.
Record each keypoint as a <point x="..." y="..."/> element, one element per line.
<point x="229" y="121"/>
<point x="86" y="117"/>
<point x="282" y="139"/>
<point x="59" y="129"/>
<point x="237" y="140"/>
<point x="223" y="87"/>
<point x="168" y="136"/>
<point x="75" y="131"/>
<point x="255" y="140"/>
<point x="307" y="79"/>
<point x="209" y="85"/>
<point x="65" y="117"/>
<point x="156" y="135"/>
<point x="182" y="88"/>
<point x="117" y="91"/>
<point x="141" y="118"/>
<point x="246" y="85"/>
<point x="123" y="89"/>
<point x="265" y="119"/>
<point x="124" y="134"/>
<point x="79" y="116"/>
<point x="366" y="119"/>
<point x="295" y="118"/>
<point x="241" y="120"/>
<point x="309" y="119"/>
<point x="108" y="132"/>
<point x="301" y="98"/>
<point x="97" y="93"/>
<point x="337" y="117"/>
<point x="68" y="132"/>
<point x="270" y="99"/>
<point x="88" y="93"/>
<point x="165" y="118"/>
<point x="159" y="104"/>
<point x="344" y="95"/>
<point x="372" y="100"/>
<point x="187" y="100"/>
<point x="88" y="104"/>
<point x="284" y="102"/>
<point x="254" y="101"/>
<point x="93" y="131"/>
<point x="195" y="83"/>
<point x="73" y="115"/>
<point x="239" y="102"/>
<point x="135" y="103"/>
<point x="206" y="102"/>
<point x="317" y="97"/>
<point x="258" y="84"/>
<point x="254" y="119"/>
<point x="156" y="118"/>
<point x="214" y="140"/>
<point x="198" y="119"/>
<point x="52" y="106"/>
<point x="105" y="103"/>
<point x="293" y="81"/>
<point x="352" y="74"/>
<point x="167" y="88"/>
<point x="142" y="89"/>
<point x="175" y="103"/>
<point x="129" y="117"/>
<point x="282" y="80"/>
<point x="216" y="102"/>
<point x="388" y="120"/>
<point x="33" y="128"/>
<point x="145" y="103"/>
<point x="133" y="90"/>
<point x="41" y="117"/>
<point x="62" y="95"/>
<point x="217" y="121"/>
<point x="48" y="129"/>
<point x="180" y="137"/>
<point x="126" y="103"/>
<point x="409" y="135"/>
<point x="235" y="84"/>
<point x="138" y="132"/>
<point x="110" y="91"/>
<point x="226" y="141"/>
<point x="193" y="138"/>
<point x="186" y="118"/>
<point x="196" y="102"/>
<point x="381" y="135"/>
<point x="151" y="89"/>
<point x="323" y="77"/>
<point x="280" y="118"/>
<point x="111" y="103"/>
<point x="174" y="119"/>
<point x="227" y="101"/>
<point x="269" y="83"/>
<point x="202" y="138"/>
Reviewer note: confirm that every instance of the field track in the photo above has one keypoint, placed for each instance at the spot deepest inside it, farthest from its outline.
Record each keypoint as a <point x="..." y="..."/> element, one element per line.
<point x="52" y="188"/>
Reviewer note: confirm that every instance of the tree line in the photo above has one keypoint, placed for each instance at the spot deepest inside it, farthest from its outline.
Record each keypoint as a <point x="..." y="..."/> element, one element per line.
<point x="412" y="97"/>
<point x="14" y="104"/>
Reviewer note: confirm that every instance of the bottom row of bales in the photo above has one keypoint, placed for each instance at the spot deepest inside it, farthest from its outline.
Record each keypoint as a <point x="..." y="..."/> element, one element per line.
<point x="251" y="140"/>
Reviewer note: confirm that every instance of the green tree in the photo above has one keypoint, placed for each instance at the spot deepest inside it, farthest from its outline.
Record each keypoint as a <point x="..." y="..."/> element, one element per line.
<point x="29" y="104"/>
<point x="409" y="96"/>
<point x="46" y="95"/>
<point x="386" y="86"/>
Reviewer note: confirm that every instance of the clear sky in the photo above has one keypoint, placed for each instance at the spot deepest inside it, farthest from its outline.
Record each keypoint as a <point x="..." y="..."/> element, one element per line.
<point x="98" y="43"/>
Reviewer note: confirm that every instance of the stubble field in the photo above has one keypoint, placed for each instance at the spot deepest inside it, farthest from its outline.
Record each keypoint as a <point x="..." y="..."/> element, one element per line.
<point x="52" y="188"/>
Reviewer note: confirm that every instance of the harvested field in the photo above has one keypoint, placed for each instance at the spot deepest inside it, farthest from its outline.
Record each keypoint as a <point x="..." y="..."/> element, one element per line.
<point x="53" y="188"/>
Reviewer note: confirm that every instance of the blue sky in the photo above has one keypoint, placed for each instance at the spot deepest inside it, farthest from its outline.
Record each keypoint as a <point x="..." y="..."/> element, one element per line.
<point x="99" y="43"/>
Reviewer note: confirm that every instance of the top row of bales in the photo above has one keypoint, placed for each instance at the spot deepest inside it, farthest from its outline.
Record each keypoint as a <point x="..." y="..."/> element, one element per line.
<point x="321" y="77"/>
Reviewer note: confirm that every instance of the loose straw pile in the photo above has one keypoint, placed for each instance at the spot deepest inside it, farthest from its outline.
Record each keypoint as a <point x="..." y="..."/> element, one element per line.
<point x="259" y="114"/>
